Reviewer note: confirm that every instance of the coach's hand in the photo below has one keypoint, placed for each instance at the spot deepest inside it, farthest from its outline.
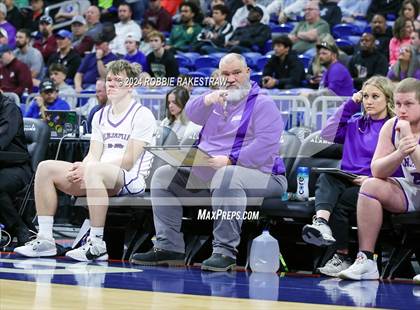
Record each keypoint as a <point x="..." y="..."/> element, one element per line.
<point x="76" y="172"/>
<point x="217" y="96"/>
<point x="358" y="97"/>
<point x="217" y="162"/>
<point x="407" y="145"/>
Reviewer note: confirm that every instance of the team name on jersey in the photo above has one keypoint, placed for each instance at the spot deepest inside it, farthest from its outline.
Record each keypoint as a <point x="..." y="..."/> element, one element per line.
<point x="116" y="135"/>
<point x="408" y="163"/>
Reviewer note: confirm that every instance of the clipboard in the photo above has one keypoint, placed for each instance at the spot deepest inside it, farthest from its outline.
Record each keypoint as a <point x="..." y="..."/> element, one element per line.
<point x="335" y="171"/>
<point x="181" y="155"/>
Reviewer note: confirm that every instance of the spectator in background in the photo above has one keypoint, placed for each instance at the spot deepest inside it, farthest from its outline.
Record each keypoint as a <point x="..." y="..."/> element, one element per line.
<point x="409" y="10"/>
<point x="133" y="54"/>
<point x="93" y="64"/>
<point x="407" y="65"/>
<point x="161" y="62"/>
<point x="217" y="34"/>
<point x="244" y="38"/>
<point x="383" y="7"/>
<point x="283" y="70"/>
<point x="415" y="42"/>
<point x="14" y="16"/>
<point x="353" y="9"/>
<point x="15" y="76"/>
<point x="330" y="12"/>
<point x="240" y="18"/>
<point x="58" y="74"/>
<point x="32" y="15"/>
<point x="47" y="100"/>
<point x="307" y="32"/>
<point x="382" y="33"/>
<point x="336" y="80"/>
<point x="146" y="27"/>
<point x="29" y="55"/>
<point x="402" y="31"/>
<point x="47" y="44"/>
<point x="183" y="36"/>
<point x="6" y="25"/>
<point x="367" y="62"/>
<point x="15" y="173"/>
<point x="81" y="43"/>
<point x="176" y="99"/>
<point x="158" y="16"/>
<point x="94" y="104"/>
<point x="122" y="28"/>
<point x="65" y="55"/>
<point x="95" y="27"/>
<point x="4" y="39"/>
<point x="68" y="11"/>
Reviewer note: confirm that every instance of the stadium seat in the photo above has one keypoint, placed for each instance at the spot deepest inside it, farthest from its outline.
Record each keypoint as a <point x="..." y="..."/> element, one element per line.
<point x="251" y="58"/>
<point x="256" y="77"/>
<point x="343" y="43"/>
<point x="183" y="70"/>
<point x="305" y="60"/>
<point x="196" y="74"/>
<point x="261" y="62"/>
<point x="354" y="39"/>
<point x="205" y="61"/>
<point x="183" y="61"/>
<point x="343" y="30"/>
<point x="217" y="56"/>
<point x="281" y="29"/>
<point x="268" y="47"/>
<point x="206" y="70"/>
<point x="190" y="55"/>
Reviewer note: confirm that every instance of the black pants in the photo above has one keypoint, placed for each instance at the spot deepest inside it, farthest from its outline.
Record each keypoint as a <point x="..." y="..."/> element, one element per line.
<point x="339" y="197"/>
<point x="12" y="180"/>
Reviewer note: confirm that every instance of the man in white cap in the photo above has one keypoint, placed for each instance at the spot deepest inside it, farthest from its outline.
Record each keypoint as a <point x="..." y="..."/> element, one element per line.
<point x="79" y="40"/>
<point x="132" y="43"/>
<point x="125" y="26"/>
<point x="4" y="24"/>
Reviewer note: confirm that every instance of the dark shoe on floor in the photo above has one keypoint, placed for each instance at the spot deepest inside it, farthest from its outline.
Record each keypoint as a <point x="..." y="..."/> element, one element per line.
<point x="159" y="257"/>
<point x="218" y="262"/>
<point x="23" y="235"/>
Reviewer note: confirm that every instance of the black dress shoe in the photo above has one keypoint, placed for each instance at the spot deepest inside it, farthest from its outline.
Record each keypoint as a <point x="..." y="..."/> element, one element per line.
<point x="159" y="257"/>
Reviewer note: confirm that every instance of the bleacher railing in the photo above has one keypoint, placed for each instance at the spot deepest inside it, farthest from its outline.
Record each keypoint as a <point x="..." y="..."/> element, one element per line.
<point x="51" y="7"/>
<point x="322" y="108"/>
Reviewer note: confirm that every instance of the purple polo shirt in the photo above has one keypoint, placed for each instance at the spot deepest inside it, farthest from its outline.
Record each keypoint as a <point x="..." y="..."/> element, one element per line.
<point x="358" y="134"/>
<point x="338" y="79"/>
<point x="260" y="146"/>
<point x="89" y="67"/>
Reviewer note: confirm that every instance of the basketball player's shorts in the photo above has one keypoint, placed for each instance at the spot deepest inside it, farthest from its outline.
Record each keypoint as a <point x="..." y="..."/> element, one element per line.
<point x="411" y="193"/>
<point x="134" y="184"/>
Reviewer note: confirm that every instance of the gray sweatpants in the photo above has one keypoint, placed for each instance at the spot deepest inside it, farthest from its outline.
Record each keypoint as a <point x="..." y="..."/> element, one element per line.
<point x="230" y="189"/>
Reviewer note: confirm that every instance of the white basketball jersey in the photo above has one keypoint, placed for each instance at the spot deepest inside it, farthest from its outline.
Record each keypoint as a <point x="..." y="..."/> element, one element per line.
<point x="137" y="122"/>
<point x="407" y="166"/>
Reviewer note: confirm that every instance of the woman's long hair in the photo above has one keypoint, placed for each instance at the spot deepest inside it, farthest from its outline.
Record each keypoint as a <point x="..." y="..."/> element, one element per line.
<point x="413" y="65"/>
<point x="181" y="98"/>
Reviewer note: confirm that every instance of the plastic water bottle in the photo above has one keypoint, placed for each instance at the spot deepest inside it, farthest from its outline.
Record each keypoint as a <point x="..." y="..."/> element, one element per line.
<point x="302" y="179"/>
<point x="265" y="253"/>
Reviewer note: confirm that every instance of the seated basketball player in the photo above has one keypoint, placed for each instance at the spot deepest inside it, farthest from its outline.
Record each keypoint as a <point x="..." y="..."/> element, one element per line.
<point x="398" y="145"/>
<point x="115" y="165"/>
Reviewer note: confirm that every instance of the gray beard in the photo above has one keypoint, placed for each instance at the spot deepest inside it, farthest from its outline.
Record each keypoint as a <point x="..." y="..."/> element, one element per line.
<point x="236" y="95"/>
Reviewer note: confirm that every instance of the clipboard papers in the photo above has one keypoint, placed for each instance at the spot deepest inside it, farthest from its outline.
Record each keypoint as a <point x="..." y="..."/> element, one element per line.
<point x="335" y="171"/>
<point x="180" y="155"/>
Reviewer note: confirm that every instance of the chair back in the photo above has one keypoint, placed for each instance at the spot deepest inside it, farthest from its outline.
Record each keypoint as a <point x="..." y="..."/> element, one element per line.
<point x="37" y="135"/>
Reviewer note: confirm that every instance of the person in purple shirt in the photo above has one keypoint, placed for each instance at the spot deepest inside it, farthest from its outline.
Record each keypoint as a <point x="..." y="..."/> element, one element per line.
<point x="358" y="132"/>
<point x="132" y="43"/>
<point x="48" y="100"/>
<point x="337" y="78"/>
<point x="241" y="132"/>
<point x="407" y="65"/>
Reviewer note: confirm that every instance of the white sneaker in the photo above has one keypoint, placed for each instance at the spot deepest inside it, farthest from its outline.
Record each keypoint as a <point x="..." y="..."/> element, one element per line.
<point x="94" y="249"/>
<point x="318" y="233"/>
<point x="334" y="266"/>
<point x="416" y="279"/>
<point x="39" y="247"/>
<point x="362" y="269"/>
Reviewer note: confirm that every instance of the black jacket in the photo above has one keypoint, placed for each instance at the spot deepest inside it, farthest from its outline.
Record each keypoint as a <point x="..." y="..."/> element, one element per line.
<point x="374" y="63"/>
<point x="252" y="34"/>
<point x="71" y="61"/>
<point x="12" y="135"/>
<point x="289" y="73"/>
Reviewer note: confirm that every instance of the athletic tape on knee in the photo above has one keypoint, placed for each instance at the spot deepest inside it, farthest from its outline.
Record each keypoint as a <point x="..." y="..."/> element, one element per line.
<point x="369" y="196"/>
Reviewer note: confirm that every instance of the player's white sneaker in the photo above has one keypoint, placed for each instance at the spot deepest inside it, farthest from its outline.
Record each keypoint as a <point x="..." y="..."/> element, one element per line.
<point x="93" y="250"/>
<point x="362" y="269"/>
<point x="39" y="247"/>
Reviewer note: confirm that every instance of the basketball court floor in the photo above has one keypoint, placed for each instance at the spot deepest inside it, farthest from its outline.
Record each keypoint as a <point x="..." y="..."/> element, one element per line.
<point x="64" y="284"/>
